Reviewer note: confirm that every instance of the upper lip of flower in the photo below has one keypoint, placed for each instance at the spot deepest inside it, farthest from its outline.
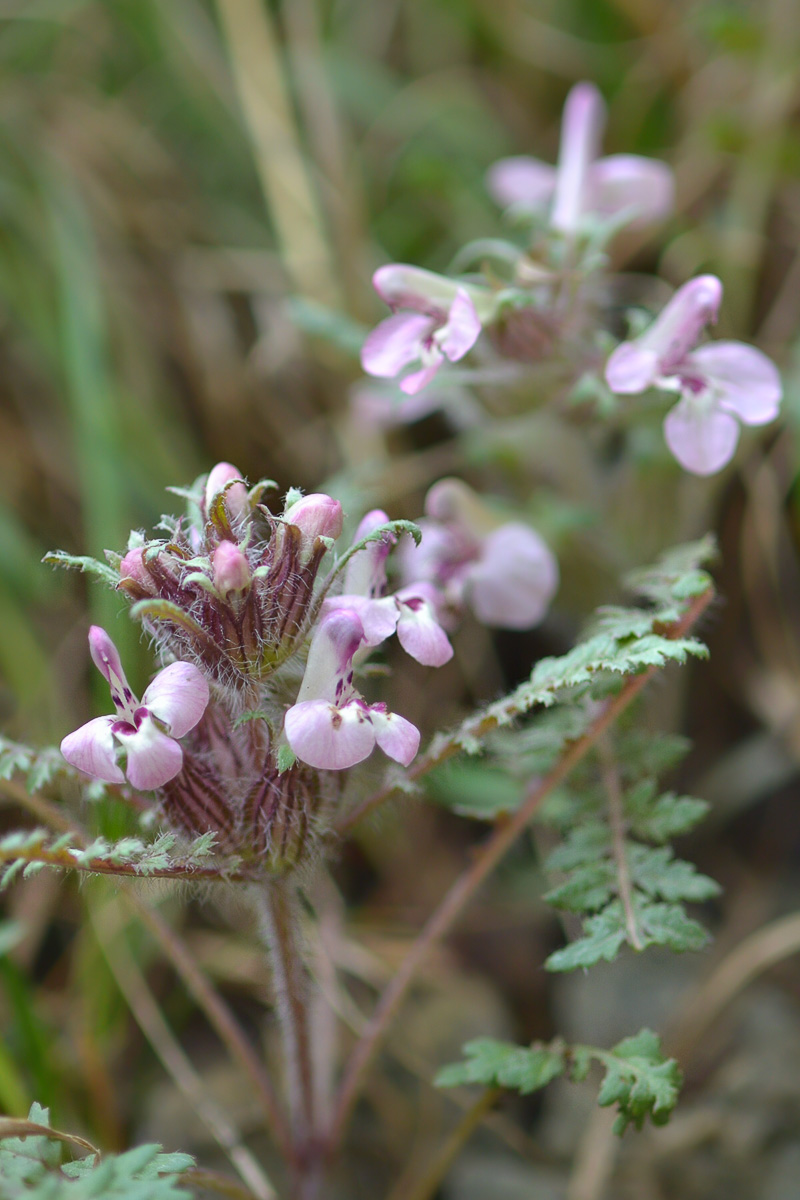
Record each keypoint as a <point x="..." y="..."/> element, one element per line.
<point x="172" y="705"/>
<point x="583" y="184"/>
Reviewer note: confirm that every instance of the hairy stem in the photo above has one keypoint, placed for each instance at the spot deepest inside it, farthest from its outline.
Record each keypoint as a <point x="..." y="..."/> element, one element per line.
<point x="616" y="817"/>
<point x="462" y="891"/>
<point x="278" y="912"/>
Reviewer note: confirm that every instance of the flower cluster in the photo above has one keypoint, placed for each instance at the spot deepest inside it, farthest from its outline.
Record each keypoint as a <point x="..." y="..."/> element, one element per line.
<point x="542" y="305"/>
<point x="257" y="710"/>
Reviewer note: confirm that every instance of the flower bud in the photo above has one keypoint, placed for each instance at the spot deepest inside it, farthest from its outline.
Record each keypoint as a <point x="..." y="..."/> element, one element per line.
<point x="316" y="516"/>
<point x="132" y="567"/>
<point x="454" y="503"/>
<point x="231" y="569"/>
<point x="235" y="496"/>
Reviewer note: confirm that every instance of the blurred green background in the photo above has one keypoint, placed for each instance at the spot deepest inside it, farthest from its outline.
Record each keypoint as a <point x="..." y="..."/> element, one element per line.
<point x="193" y="197"/>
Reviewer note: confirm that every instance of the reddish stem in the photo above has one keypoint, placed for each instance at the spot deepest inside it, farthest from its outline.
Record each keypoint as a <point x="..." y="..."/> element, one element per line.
<point x="494" y="849"/>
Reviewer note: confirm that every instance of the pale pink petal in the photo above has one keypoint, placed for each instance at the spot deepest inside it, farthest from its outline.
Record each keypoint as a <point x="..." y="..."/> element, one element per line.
<point x="628" y="182"/>
<point x="366" y="571"/>
<point x="418" y="629"/>
<point x="462" y="329"/>
<point x="236" y="500"/>
<point x="414" y="383"/>
<point x="105" y="655"/>
<point x="328" y="737"/>
<point x="396" y="736"/>
<point x="515" y="579"/>
<point x="378" y="616"/>
<point x="631" y="369"/>
<point x="679" y="324"/>
<point x="581" y="128"/>
<point x="747" y="383"/>
<point x="132" y="567"/>
<point x="106" y="659"/>
<point x="521" y="180"/>
<point x="316" y="515"/>
<point x="153" y="757"/>
<point x="91" y="749"/>
<point x="328" y="675"/>
<point x="396" y="342"/>
<point x="178" y="696"/>
<point x="404" y="286"/>
<point x="231" y="570"/>
<point x="702" y="442"/>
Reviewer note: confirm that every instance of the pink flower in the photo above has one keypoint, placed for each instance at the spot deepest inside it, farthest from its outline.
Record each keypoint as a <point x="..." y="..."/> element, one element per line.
<point x="410" y="612"/>
<point x="583" y="185"/>
<point x="720" y="384"/>
<point x="505" y="574"/>
<point x="226" y="479"/>
<point x="316" y="515"/>
<point x="172" y="705"/>
<point x="331" y="726"/>
<point x="443" y="324"/>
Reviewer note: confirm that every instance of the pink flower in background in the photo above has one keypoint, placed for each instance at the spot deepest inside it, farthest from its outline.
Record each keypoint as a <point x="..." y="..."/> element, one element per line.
<point x="410" y="612"/>
<point x="720" y="384"/>
<point x="504" y="573"/>
<point x="443" y="324"/>
<point x="172" y="705"/>
<point x="583" y="185"/>
<point x="331" y="726"/>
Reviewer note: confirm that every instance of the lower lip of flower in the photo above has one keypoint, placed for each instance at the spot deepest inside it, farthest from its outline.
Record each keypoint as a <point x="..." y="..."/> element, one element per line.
<point x="123" y="727"/>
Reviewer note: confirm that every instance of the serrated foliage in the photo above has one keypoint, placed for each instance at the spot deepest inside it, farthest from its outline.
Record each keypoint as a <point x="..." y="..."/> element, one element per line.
<point x="643" y="906"/>
<point x="84" y="563"/>
<point x="605" y="933"/>
<point x="38" y="767"/>
<point x="26" y="851"/>
<point x="620" y="642"/>
<point x="638" y="1079"/>
<point x="37" y="1165"/>
<point x="500" y="1064"/>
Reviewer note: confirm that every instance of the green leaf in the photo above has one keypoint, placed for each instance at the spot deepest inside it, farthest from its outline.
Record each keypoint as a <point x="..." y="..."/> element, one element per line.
<point x="639" y="1081"/>
<point x="82" y="562"/>
<point x="588" y="888"/>
<point x="658" y="873"/>
<point x="664" y="818"/>
<point x="501" y="1064"/>
<point x="286" y="757"/>
<point x="474" y="789"/>
<point x="604" y="935"/>
<point x="668" y="925"/>
<point x="586" y="844"/>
